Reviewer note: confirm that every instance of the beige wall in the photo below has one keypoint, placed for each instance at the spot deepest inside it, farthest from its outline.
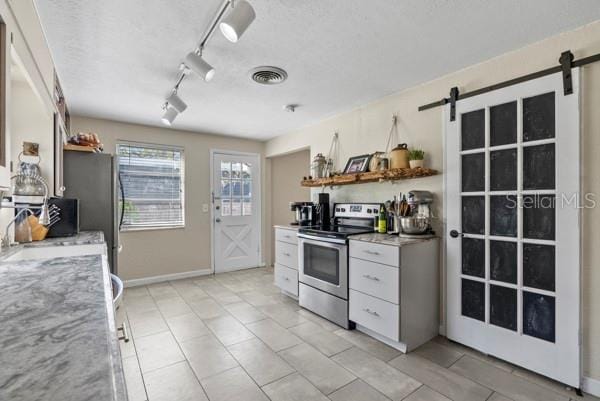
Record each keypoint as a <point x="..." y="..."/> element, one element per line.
<point x="159" y="252"/>
<point x="31" y="122"/>
<point x="365" y="130"/>
<point x="286" y="173"/>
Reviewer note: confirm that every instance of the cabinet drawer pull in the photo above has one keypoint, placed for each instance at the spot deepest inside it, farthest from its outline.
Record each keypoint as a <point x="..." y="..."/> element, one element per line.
<point x="286" y="254"/>
<point x="368" y="276"/>
<point x="370" y="312"/>
<point x="123" y="329"/>
<point x="287" y="236"/>
<point x="370" y="252"/>
<point x="286" y="278"/>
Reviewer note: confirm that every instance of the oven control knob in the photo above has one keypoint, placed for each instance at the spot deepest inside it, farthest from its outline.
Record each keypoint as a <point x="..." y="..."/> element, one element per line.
<point x="343" y="209"/>
<point x="368" y="210"/>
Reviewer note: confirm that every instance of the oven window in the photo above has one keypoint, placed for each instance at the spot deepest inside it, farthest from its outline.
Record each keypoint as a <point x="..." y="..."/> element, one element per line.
<point x="322" y="263"/>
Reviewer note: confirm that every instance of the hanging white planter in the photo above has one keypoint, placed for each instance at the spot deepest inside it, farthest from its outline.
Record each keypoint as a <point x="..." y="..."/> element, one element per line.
<point x="416" y="163"/>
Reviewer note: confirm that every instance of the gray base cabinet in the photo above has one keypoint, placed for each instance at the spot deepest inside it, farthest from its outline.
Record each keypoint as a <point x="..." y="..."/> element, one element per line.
<point x="394" y="291"/>
<point x="286" y="261"/>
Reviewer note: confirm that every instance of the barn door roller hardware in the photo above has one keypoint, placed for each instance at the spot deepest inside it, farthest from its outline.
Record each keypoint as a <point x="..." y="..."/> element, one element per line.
<point x="453" y="99"/>
<point x="566" y="61"/>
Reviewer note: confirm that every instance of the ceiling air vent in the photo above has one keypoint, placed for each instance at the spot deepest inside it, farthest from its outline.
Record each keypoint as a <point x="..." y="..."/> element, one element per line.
<point x="267" y="75"/>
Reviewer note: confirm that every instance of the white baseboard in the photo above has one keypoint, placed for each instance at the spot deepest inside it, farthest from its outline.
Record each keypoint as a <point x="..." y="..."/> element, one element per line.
<point x="289" y="294"/>
<point x="165" y="277"/>
<point x="591" y="386"/>
<point x="394" y="344"/>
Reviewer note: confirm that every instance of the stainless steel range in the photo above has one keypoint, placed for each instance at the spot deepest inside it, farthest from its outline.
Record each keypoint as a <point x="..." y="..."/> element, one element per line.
<point x="323" y="260"/>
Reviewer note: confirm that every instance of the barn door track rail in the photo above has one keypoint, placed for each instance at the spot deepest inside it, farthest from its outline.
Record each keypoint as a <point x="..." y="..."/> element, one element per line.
<point x="566" y="63"/>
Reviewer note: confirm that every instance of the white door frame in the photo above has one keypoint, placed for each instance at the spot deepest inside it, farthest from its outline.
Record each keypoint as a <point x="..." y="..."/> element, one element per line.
<point x="570" y="168"/>
<point x="213" y="152"/>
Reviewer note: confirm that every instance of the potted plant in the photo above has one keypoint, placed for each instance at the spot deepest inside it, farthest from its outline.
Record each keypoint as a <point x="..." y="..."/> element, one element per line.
<point x="416" y="157"/>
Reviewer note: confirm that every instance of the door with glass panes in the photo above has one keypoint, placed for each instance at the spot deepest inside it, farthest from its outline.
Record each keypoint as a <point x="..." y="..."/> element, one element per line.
<point x="512" y="233"/>
<point x="236" y="211"/>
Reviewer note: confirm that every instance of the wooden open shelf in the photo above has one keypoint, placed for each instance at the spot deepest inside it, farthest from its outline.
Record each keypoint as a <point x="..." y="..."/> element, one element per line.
<point x="372" y="176"/>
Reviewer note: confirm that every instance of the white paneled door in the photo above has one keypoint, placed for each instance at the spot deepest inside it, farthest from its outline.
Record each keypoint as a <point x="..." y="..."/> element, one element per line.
<point x="513" y="204"/>
<point x="236" y="211"/>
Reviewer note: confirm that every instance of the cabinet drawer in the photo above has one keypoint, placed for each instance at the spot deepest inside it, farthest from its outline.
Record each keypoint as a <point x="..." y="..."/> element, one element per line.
<point x="378" y="253"/>
<point x="375" y="279"/>
<point x="289" y="236"/>
<point x="380" y="316"/>
<point x="286" y="254"/>
<point x="286" y="279"/>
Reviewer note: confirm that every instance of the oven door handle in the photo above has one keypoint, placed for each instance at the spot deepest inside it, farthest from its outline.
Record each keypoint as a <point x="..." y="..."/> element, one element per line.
<point x="322" y="239"/>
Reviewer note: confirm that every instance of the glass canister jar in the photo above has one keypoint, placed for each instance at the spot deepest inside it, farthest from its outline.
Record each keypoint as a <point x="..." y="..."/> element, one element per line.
<point x="319" y="166"/>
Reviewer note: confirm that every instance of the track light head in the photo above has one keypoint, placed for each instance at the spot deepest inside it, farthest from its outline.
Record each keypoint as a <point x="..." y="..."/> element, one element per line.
<point x="237" y="21"/>
<point x="196" y="63"/>
<point x="175" y="101"/>
<point x="169" y="115"/>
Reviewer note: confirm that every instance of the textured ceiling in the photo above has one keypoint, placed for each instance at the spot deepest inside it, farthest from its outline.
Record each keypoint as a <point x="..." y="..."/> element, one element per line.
<point x="118" y="59"/>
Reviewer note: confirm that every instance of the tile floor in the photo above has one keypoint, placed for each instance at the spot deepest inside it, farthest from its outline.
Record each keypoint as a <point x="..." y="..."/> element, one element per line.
<point x="233" y="337"/>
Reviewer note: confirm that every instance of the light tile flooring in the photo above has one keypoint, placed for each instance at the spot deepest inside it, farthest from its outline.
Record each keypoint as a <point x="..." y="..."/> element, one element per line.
<point x="233" y="337"/>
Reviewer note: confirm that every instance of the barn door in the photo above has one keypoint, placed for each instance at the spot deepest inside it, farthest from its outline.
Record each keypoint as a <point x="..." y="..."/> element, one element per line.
<point x="512" y="207"/>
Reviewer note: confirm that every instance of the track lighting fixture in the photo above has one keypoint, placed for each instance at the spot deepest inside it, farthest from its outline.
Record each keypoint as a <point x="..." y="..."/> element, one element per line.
<point x="237" y="21"/>
<point x="169" y="115"/>
<point x="197" y="64"/>
<point x="175" y="101"/>
<point x="233" y="27"/>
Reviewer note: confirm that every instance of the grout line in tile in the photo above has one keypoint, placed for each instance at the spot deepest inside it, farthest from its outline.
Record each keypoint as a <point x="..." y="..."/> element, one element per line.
<point x="417" y="389"/>
<point x="490" y="396"/>
<point x="137" y="358"/>
<point x="282" y="377"/>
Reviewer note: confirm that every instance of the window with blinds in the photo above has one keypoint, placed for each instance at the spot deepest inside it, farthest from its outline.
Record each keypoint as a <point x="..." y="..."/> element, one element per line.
<point x="152" y="186"/>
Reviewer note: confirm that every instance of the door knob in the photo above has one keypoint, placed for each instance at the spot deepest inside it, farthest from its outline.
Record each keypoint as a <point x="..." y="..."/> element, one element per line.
<point x="218" y="220"/>
<point x="455" y="234"/>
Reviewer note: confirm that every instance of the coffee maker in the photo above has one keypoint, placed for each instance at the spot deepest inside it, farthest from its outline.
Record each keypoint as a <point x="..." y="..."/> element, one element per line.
<point x="312" y="214"/>
<point x="308" y="214"/>
<point x="296" y="207"/>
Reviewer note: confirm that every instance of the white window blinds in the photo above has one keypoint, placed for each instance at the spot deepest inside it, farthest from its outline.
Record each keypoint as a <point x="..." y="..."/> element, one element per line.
<point x="152" y="186"/>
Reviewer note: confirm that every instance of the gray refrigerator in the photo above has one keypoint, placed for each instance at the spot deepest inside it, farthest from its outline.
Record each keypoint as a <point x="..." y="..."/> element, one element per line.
<point x="93" y="179"/>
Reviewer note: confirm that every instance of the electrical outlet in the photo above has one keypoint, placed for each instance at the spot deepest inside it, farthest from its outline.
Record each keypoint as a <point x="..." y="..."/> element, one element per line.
<point x="205" y="207"/>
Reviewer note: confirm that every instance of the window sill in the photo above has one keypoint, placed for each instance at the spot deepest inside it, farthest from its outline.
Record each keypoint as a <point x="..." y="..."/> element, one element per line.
<point x="155" y="228"/>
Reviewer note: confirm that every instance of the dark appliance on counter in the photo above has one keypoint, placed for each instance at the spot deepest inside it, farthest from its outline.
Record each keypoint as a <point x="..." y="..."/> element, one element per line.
<point x="68" y="212"/>
<point x="323" y="260"/>
<point x="296" y="207"/>
<point x="92" y="178"/>
<point x="308" y="214"/>
<point x="311" y="214"/>
<point x="323" y="217"/>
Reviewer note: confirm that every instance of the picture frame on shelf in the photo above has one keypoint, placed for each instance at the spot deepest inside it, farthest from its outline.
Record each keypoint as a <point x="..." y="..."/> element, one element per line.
<point x="357" y="164"/>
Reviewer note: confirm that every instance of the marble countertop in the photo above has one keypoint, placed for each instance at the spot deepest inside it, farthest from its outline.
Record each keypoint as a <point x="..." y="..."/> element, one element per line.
<point x="388" y="239"/>
<point x="287" y="226"/>
<point x="57" y="328"/>
<point x="83" y="238"/>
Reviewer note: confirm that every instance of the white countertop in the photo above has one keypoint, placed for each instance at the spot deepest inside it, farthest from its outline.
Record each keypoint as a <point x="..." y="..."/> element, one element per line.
<point x="388" y="239"/>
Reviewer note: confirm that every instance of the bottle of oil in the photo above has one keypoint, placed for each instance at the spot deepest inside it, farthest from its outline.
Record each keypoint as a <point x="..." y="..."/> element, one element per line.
<point x="382" y="220"/>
